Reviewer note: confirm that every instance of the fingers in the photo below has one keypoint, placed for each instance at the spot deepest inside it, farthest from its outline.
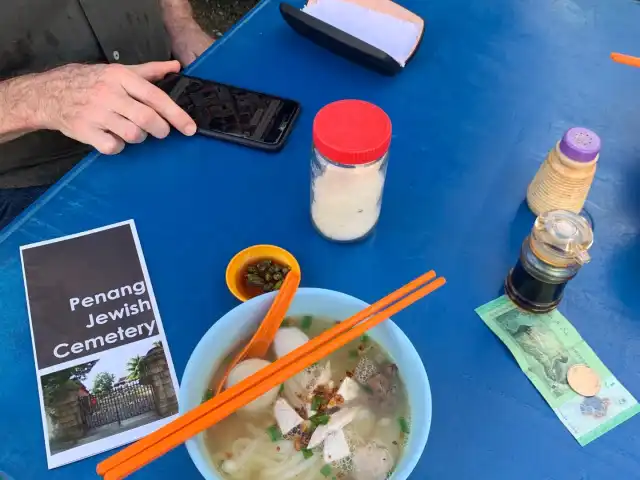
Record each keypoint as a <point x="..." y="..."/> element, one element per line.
<point x="188" y="58"/>
<point x="153" y="71"/>
<point x="104" y="142"/>
<point x="143" y="91"/>
<point x="124" y="128"/>
<point x="141" y="115"/>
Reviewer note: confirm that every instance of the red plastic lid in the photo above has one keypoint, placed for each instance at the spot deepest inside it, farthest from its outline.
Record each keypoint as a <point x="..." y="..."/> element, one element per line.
<point x="352" y="132"/>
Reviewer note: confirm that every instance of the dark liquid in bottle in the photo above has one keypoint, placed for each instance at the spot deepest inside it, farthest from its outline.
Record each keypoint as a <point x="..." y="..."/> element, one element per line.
<point x="530" y="293"/>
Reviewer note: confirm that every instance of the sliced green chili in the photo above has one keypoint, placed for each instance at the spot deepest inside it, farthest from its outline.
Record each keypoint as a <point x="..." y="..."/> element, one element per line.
<point x="404" y="425"/>
<point x="274" y="433"/>
<point x="208" y="395"/>
<point x="320" y="419"/>
<point x="316" y="402"/>
<point x="305" y="324"/>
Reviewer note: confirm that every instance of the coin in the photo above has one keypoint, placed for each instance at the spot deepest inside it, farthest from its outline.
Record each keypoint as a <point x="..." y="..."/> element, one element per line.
<point x="583" y="380"/>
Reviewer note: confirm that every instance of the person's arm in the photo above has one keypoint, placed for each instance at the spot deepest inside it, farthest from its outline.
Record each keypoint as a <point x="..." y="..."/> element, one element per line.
<point x="188" y="40"/>
<point x="104" y="106"/>
<point x="17" y="116"/>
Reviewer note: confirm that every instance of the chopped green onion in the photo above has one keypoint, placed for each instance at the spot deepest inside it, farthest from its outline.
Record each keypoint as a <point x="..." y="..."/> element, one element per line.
<point x="365" y="338"/>
<point x="306" y="453"/>
<point x="316" y="402"/>
<point x="305" y="324"/>
<point x="208" y="395"/>
<point x="281" y="391"/>
<point x="326" y="470"/>
<point x="353" y="354"/>
<point x="274" y="433"/>
<point x="367" y="389"/>
<point x="320" y="419"/>
<point x="404" y="425"/>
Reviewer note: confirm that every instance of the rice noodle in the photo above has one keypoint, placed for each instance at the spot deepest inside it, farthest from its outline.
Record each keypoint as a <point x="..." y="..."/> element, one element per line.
<point x="282" y="467"/>
<point x="260" y="458"/>
<point x="314" y="473"/>
<point x="291" y="468"/>
<point x="256" y="431"/>
<point x="243" y="447"/>
<point x="240" y="445"/>
<point x="245" y="453"/>
<point x="270" y="460"/>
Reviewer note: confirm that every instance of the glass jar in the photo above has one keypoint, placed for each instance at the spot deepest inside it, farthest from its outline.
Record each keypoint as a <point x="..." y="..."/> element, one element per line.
<point x="351" y="140"/>
<point x="550" y="256"/>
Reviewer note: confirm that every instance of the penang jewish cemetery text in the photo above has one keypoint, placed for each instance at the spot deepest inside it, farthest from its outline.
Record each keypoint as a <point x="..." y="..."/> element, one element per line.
<point x="115" y="316"/>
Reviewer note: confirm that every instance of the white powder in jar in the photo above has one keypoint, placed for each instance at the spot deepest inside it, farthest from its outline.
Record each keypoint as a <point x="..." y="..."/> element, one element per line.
<point x="346" y="201"/>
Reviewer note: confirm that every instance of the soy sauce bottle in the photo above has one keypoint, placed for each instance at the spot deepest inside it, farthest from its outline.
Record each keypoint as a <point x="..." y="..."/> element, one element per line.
<point x="550" y="256"/>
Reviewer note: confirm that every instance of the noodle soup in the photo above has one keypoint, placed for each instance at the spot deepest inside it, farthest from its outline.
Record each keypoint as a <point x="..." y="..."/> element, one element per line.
<point x="344" y="418"/>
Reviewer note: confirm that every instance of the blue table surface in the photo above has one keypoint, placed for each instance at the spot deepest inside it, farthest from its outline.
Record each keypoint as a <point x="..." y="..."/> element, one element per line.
<point x="493" y="86"/>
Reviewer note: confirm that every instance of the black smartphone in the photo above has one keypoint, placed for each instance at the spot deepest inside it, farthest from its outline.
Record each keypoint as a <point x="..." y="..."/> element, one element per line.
<point x="231" y="113"/>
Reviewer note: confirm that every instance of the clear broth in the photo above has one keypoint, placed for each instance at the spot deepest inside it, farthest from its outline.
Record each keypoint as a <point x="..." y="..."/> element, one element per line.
<point x="219" y="439"/>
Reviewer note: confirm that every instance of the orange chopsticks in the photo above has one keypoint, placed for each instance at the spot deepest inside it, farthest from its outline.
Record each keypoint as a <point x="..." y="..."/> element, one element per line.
<point x="625" y="59"/>
<point x="204" y="416"/>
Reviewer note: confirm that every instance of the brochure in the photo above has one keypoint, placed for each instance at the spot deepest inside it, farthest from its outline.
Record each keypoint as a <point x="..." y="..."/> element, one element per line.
<point x="104" y="370"/>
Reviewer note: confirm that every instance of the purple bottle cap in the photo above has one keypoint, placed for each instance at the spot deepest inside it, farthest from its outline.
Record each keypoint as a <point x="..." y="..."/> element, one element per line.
<point x="580" y="144"/>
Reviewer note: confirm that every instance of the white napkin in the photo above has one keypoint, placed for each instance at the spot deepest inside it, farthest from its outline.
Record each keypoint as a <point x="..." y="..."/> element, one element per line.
<point x="392" y="35"/>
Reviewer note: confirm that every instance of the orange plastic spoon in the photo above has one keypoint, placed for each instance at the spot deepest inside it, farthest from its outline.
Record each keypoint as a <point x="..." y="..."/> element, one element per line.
<point x="263" y="338"/>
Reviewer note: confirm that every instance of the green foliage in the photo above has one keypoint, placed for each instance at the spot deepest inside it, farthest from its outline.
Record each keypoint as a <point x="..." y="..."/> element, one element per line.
<point x="103" y="384"/>
<point x="135" y="367"/>
<point x="56" y="384"/>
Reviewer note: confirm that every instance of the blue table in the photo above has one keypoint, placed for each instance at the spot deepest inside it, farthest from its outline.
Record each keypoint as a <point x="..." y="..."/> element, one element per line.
<point x="494" y="85"/>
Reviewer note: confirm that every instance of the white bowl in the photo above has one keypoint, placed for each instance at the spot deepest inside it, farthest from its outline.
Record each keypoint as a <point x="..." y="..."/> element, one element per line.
<point x="236" y="325"/>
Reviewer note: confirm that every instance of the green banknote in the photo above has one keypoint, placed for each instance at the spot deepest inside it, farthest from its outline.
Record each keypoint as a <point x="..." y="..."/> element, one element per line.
<point x="545" y="347"/>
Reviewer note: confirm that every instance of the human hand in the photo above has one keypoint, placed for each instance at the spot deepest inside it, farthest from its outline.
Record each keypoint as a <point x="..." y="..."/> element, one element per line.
<point x="189" y="43"/>
<point x="108" y="105"/>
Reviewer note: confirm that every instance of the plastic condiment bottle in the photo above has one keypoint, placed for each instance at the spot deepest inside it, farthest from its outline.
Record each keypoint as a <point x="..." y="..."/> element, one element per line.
<point x="564" y="179"/>
<point x="550" y="256"/>
<point x="351" y="140"/>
